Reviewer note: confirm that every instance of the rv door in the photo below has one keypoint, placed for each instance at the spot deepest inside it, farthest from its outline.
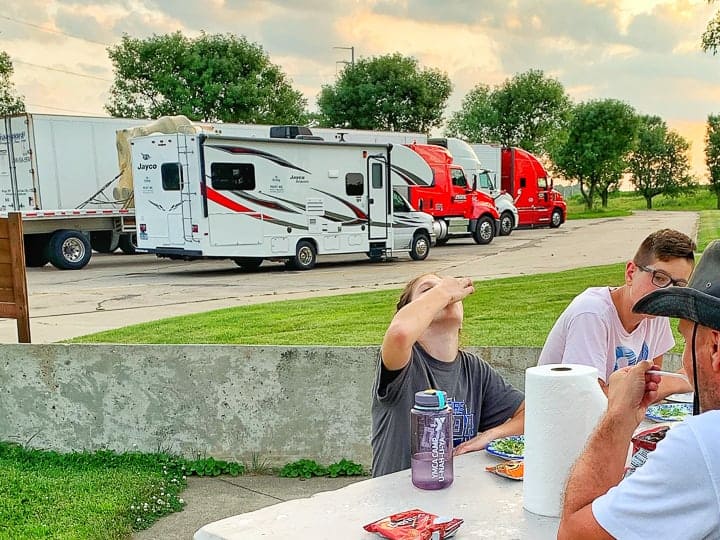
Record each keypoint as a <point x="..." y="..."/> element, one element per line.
<point x="378" y="198"/>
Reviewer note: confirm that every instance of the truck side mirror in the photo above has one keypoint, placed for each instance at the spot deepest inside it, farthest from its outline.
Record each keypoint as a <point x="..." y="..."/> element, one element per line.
<point x="420" y="205"/>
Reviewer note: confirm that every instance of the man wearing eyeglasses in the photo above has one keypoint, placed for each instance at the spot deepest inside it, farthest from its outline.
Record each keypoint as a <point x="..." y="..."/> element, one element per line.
<point x="599" y="328"/>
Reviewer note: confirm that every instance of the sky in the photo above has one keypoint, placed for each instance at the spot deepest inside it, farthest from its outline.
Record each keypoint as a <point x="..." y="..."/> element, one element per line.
<point x="644" y="52"/>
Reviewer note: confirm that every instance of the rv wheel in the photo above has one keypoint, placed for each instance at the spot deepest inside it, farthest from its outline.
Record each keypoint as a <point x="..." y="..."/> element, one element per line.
<point x="556" y="219"/>
<point x="420" y="247"/>
<point x="69" y="250"/>
<point x="484" y="231"/>
<point x="305" y="256"/>
<point x="506" y="223"/>
<point x="248" y="263"/>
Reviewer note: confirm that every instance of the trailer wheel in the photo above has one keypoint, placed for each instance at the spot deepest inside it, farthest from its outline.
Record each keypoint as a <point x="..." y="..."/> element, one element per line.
<point x="36" y="250"/>
<point x="556" y="218"/>
<point x="69" y="250"/>
<point x="507" y="222"/>
<point x="128" y="243"/>
<point x="484" y="231"/>
<point x="248" y="263"/>
<point x="420" y="247"/>
<point x="104" y="241"/>
<point x="305" y="256"/>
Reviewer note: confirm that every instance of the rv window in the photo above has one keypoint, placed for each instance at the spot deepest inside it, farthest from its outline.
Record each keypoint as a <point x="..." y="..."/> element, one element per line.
<point x="542" y="183"/>
<point x="354" y="184"/>
<point x="458" y="178"/>
<point x="171" y="176"/>
<point x="232" y="176"/>
<point x="377" y="171"/>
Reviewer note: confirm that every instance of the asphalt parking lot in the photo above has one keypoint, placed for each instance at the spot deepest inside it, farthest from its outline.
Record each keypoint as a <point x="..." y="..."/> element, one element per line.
<point x="117" y="290"/>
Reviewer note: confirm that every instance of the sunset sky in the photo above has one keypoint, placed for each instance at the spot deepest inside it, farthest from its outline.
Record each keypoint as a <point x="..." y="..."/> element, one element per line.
<point x="644" y="52"/>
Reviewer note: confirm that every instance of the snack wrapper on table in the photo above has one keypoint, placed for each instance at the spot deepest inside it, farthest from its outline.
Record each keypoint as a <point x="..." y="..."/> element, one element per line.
<point x="513" y="469"/>
<point x="414" y="524"/>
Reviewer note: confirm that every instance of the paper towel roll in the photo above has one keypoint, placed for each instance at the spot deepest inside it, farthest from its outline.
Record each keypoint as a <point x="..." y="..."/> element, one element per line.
<point x="563" y="403"/>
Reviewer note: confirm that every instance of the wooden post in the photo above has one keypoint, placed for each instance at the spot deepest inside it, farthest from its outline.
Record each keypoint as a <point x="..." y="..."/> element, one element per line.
<point x="13" y="283"/>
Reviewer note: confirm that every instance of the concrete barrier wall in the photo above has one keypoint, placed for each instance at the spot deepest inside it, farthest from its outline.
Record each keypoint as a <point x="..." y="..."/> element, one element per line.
<point x="277" y="404"/>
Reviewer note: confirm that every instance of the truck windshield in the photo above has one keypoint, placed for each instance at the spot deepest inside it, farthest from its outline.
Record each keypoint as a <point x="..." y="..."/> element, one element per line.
<point x="484" y="181"/>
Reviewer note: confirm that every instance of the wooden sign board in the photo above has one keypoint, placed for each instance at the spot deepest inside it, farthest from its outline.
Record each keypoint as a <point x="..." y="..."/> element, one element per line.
<point x="13" y="284"/>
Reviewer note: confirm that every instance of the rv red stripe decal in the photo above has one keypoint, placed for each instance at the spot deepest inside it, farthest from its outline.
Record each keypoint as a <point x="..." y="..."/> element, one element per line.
<point x="222" y="200"/>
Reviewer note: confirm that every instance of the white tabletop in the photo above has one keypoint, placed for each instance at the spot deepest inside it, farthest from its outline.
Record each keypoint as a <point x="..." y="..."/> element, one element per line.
<point x="490" y="505"/>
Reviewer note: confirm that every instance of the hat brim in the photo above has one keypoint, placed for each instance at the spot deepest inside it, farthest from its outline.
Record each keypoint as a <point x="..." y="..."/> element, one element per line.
<point x="682" y="303"/>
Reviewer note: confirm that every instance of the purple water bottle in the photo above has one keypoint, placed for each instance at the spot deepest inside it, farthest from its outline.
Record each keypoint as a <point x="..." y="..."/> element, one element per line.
<point x="431" y="444"/>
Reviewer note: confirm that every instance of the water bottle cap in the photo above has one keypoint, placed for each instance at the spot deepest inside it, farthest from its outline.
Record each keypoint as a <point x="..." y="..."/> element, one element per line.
<point x="431" y="399"/>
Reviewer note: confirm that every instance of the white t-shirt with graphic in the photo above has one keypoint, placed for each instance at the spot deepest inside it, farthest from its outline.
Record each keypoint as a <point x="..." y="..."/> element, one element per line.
<point x="589" y="332"/>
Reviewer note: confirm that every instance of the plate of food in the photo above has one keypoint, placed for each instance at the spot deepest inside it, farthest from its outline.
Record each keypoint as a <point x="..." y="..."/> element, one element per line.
<point x="686" y="397"/>
<point x="511" y="447"/>
<point x="669" y="412"/>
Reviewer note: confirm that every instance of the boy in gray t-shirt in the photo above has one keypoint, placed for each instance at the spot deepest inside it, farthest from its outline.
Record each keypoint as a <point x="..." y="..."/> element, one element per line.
<point x="420" y="351"/>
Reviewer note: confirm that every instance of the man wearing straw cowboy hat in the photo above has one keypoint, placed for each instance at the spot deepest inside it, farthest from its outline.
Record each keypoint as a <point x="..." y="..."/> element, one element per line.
<point x="676" y="494"/>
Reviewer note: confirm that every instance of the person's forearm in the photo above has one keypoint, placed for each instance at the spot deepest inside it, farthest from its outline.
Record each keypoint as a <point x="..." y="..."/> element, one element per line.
<point x="672" y="385"/>
<point x="415" y="317"/>
<point x="601" y="465"/>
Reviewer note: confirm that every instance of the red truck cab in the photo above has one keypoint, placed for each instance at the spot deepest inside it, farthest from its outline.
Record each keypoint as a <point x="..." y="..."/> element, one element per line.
<point x="524" y="177"/>
<point x="457" y="207"/>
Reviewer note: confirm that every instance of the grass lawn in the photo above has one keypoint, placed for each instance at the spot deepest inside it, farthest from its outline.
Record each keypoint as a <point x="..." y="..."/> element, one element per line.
<point x="361" y="319"/>
<point x="623" y="203"/>
<point x="100" y="495"/>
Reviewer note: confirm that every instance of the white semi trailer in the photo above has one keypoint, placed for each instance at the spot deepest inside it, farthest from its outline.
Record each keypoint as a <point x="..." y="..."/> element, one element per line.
<point x="57" y="170"/>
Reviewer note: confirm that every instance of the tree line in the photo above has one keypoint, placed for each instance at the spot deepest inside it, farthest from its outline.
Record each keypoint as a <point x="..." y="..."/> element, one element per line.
<point x="226" y="78"/>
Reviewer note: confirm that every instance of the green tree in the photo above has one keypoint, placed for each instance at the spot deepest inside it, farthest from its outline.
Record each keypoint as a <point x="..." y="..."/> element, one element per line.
<point x="601" y="134"/>
<point x="712" y="153"/>
<point x="529" y="110"/>
<point x="711" y="36"/>
<point x="389" y="92"/>
<point x="10" y="102"/>
<point x="210" y="78"/>
<point x="659" y="163"/>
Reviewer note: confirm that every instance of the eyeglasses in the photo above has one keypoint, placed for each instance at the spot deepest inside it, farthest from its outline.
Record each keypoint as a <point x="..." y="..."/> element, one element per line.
<point x="662" y="279"/>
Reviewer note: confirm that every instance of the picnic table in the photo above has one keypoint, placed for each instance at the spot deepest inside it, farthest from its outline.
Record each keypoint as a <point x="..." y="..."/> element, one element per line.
<point x="490" y="505"/>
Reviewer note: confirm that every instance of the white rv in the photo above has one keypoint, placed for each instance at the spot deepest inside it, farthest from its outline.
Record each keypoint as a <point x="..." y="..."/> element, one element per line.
<point x="253" y="199"/>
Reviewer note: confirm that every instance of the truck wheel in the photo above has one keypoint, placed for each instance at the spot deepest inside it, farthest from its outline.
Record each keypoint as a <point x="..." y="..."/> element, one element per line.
<point x="248" y="263"/>
<point x="128" y="243"/>
<point x="420" y="247"/>
<point x="69" y="250"/>
<point x="104" y="241"/>
<point x="36" y="250"/>
<point x="484" y="231"/>
<point x="507" y="222"/>
<point x="556" y="218"/>
<point x="305" y="256"/>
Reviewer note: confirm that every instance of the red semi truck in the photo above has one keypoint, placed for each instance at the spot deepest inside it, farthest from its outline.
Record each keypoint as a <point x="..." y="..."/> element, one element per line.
<point x="524" y="177"/>
<point x="435" y="185"/>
